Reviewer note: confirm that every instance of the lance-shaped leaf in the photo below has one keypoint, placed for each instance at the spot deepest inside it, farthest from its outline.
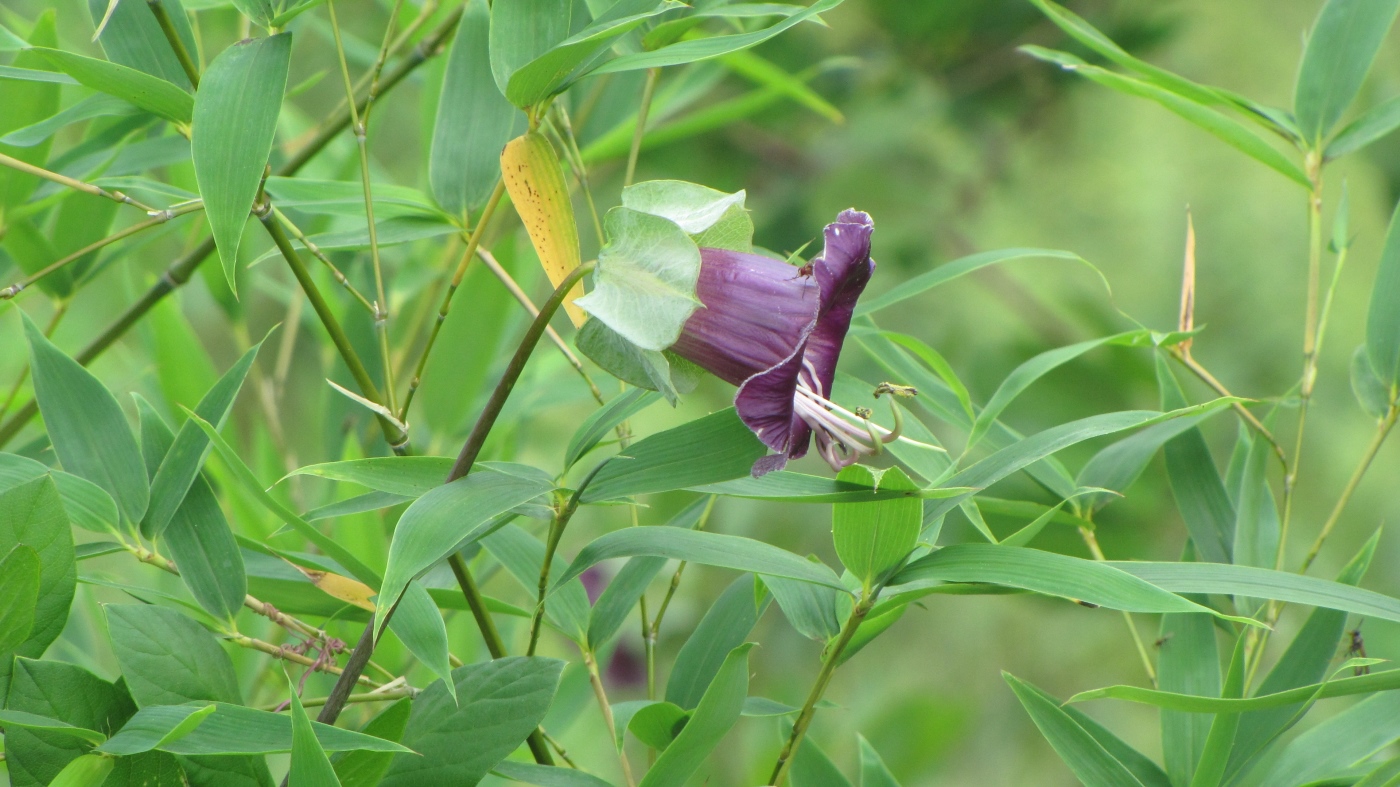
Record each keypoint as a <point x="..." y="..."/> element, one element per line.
<point x="443" y="521"/>
<point x="1383" y="319"/>
<point x="725" y="627"/>
<point x="498" y="704"/>
<point x="1089" y="760"/>
<point x="717" y="712"/>
<point x="644" y="286"/>
<point x="89" y="770"/>
<point x="1343" y="42"/>
<point x="310" y="766"/>
<point x="131" y="36"/>
<point x="229" y="729"/>
<point x="150" y="93"/>
<point x="535" y="182"/>
<point x="1050" y="573"/>
<point x="554" y="70"/>
<point x="235" y="119"/>
<point x="474" y="121"/>
<point x="86" y="426"/>
<point x="718" y="447"/>
<point x="604" y="420"/>
<point x="714" y="46"/>
<point x="182" y="462"/>
<point x="522" y="30"/>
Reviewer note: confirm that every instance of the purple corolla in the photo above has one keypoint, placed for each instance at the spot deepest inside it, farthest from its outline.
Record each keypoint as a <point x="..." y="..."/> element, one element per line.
<point x="776" y="331"/>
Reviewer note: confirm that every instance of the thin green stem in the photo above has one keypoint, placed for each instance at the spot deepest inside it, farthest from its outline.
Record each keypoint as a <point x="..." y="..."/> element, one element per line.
<point x="73" y="183"/>
<point x="325" y="260"/>
<point x="393" y="434"/>
<point x="1092" y="542"/>
<point x="375" y="696"/>
<point x="601" y="695"/>
<point x="1377" y="440"/>
<point x="1311" y="332"/>
<point x="648" y="89"/>
<point x="472" y="243"/>
<point x="830" y="660"/>
<point x="182" y="54"/>
<point x="1194" y="366"/>
<point x="569" y="144"/>
<point x="359" y="125"/>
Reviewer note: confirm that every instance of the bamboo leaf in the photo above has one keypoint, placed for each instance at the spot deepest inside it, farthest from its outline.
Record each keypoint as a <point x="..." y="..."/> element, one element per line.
<point x="310" y="767"/>
<point x="1375" y="123"/>
<point x="1383" y="318"/>
<point x="535" y="182"/>
<point x="152" y="94"/>
<point x="957" y="269"/>
<point x="1343" y="43"/>
<point x="716" y="713"/>
<point x="604" y="419"/>
<point x="1091" y="763"/>
<point x="724" y="627"/>
<point x="228" y="730"/>
<point x="235" y="119"/>
<point x="718" y="447"/>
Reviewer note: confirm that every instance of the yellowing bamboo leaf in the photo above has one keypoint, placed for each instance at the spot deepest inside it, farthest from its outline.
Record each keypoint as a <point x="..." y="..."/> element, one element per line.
<point x="349" y="590"/>
<point x="535" y="182"/>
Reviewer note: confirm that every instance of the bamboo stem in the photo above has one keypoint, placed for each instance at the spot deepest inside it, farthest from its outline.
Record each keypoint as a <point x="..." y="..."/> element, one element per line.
<point x="182" y="54"/>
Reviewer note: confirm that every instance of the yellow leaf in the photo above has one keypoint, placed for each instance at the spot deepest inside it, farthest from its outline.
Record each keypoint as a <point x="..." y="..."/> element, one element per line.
<point x="334" y="585"/>
<point x="535" y="182"/>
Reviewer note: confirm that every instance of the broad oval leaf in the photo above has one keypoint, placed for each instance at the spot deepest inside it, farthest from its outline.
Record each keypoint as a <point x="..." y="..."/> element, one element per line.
<point x="31" y="516"/>
<point x="19" y="593"/>
<point x="235" y="119"/>
<point x="872" y="538"/>
<point x="167" y="658"/>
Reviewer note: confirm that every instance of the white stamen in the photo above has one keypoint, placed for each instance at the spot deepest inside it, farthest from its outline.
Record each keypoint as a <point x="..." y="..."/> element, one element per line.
<point x="842" y="436"/>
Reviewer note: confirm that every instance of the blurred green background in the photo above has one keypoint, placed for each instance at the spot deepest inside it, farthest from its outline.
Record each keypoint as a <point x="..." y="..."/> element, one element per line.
<point x="955" y="143"/>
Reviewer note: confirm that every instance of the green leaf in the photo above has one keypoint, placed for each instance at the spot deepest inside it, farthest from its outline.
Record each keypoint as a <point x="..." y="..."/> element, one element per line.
<point x="161" y="725"/>
<point x="1256" y="518"/>
<point x="133" y="37"/>
<point x="1375" y="123"/>
<point x="1343" y="43"/>
<point x="347" y="198"/>
<point x="644" y="285"/>
<point x="1383" y="319"/>
<point x="718" y="447"/>
<point x="717" y="711"/>
<point x="87" y="505"/>
<point x="1215" y="754"/>
<point x="86" y="426"/>
<point x="31" y="721"/>
<point x="1306" y="661"/>
<point x="1222" y="127"/>
<point x="474" y="121"/>
<point x="443" y="521"/>
<point x="198" y="536"/>
<point x="790" y="487"/>
<point x="715" y="46"/>
<point x="628" y="585"/>
<point x="419" y="625"/>
<point x="768" y="74"/>
<point x="64" y="692"/>
<point x="229" y="730"/>
<point x="563" y="63"/>
<point x="498" y="704"/>
<point x="1091" y="763"/>
<point x="182" y="462"/>
<point x="1187" y="663"/>
<point x="522" y="30"/>
<point x="408" y="476"/>
<point x="1023" y="376"/>
<point x="167" y="658"/>
<point x="235" y="119"/>
<point x="1349" y="737"/>
<point x="310" y="766"/>
<point x="1341" y="687"/>
<point x="29" y="93"/>
<point x="957" y="269"/>
<point x="724" y="628"/>
<point x="260" y="11"/>
<point x="710" y="549"/>
<point x="811" y="609"/>
<point x="19" y="595"/>
<point x="1200" y="495"/>
<point x="603" y="420"/>
<point x="250" y="484"/>
<point x="873" y="772"/>
<point x="658" y="723"/>
<point x="1097" y="583"/>
<point x="547" y="776"/>
<point x="365" y="768"/>
<point x="1262" y="583"/>
<point x="31" y="516"/>
<point x="1116" y="467"/>
<point x="627" y="362"/>
<point x="1384" y="775"/>
<point x="1042" y="444"/>
<point x="872" y="538"/>
<point x="89" y="770"/>
<point x="152" y="94"/>
<point x="810" y="765"/>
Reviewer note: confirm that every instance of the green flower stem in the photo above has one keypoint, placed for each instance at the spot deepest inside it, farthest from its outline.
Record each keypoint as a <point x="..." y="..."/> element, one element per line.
<point x="181" y="53"/>
<point x="472" y="244"/>
<point x="1382" y="431"/>
<point x="829" y="662"/>
<point x="183" y="267"/>
<point x="376" y="696"/>
<point x="393" y="434"/>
